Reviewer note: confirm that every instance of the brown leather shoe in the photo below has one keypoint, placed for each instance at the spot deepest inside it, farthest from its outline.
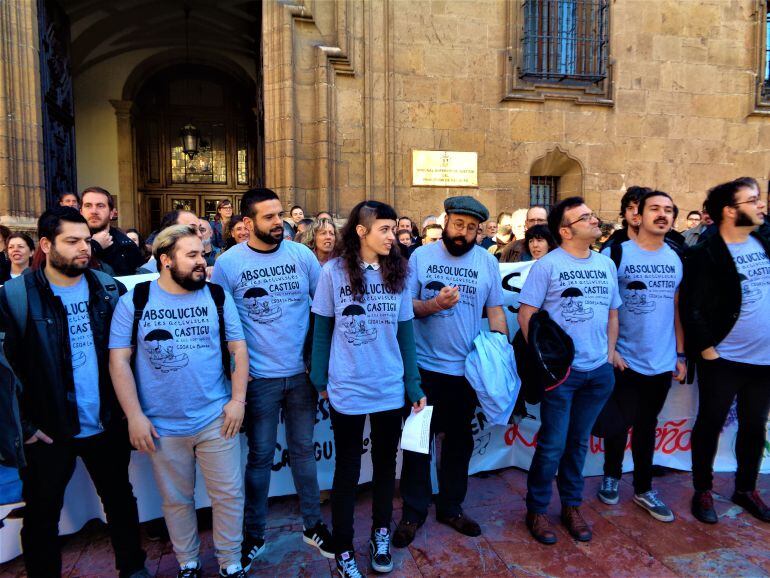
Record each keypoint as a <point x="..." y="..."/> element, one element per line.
<point x="462" y="524"/>
<point x="404" y="534"/>
<point x="575" y="524"/>
<point x="540" y="528"/>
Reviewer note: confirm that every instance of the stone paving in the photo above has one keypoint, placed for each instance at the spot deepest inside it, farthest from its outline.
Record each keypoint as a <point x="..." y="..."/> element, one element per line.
<point x="627" y="541"/>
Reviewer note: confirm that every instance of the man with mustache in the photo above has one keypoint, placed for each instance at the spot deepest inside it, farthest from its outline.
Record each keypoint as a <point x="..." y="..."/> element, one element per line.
<point x="471" y="279"/>
<point x="67" y="403"/>
<point x="108" y="244"/>
<point x="285" y="275"/>
<point x="180" y="407"/>
<point x="649" y="349"/>
<point x="725" y="306"/>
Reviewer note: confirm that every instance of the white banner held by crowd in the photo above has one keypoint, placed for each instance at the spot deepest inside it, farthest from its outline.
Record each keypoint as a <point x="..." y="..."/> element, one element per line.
<point x="495" y="447"/>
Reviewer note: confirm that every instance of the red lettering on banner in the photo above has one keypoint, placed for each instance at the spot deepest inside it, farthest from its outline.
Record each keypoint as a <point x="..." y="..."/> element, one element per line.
<point x="513" y="433"/>
<point x="671" y="438"/>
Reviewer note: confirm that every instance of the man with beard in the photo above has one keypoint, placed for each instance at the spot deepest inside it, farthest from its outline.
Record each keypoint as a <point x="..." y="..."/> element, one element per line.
<point x="725" y="306"/>
<point x="180" y="407"/>
<point x="471" y="282"/>
<point x="58" y="349"/>
<point x="650" y="347"/>
<point x="578" y="288"/>
<point x="108" y="245"/>
<point x="284" y="274"/>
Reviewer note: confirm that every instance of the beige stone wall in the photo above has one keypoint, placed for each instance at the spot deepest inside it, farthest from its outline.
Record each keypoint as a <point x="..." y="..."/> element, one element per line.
<point x="352" y="88"/>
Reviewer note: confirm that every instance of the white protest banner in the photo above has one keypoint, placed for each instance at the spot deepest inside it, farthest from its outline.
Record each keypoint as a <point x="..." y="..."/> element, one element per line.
<point x="495" y="447"/>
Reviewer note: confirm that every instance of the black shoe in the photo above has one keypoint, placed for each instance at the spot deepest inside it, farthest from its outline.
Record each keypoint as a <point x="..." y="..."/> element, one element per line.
<point x="346" y="565"/>
<point x="320" y="537"/>
<point x="190" y="571"/>
<point x="753" y="504"/>
<point x="405" y="533"/>
<point x="462" y="524"/>
<point x="379" y="551"/>
<point x="703" y="508"/>
<point x="250" y="549"/>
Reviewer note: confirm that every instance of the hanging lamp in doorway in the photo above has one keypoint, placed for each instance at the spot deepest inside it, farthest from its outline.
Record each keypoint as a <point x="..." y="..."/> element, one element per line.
<point x="189" y="134"/>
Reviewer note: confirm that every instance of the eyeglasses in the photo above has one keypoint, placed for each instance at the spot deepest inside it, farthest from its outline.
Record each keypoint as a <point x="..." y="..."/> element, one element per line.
<point x="470" y="227"/>
<point x="537" y="221"/>
<point x="751" y="201"/>
<point x="585" y="218"/>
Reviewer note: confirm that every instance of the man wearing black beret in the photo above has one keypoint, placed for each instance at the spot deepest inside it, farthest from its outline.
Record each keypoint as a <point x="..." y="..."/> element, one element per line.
<point x="451" y="281"/>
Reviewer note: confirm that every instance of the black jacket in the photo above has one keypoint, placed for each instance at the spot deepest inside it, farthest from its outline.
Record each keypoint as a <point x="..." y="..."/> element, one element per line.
<point x="710" y="294"/>
<point x="11" y="442"/>
<point x="674" y="239"/>
<point x="41" y="358"/>
<point x="123" y="256"/>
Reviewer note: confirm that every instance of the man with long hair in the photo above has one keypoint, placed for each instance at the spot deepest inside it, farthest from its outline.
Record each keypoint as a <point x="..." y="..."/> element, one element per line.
<point x="452" y="282"/>
<point x="272" y="282"/>
<point x="725" y="306"/>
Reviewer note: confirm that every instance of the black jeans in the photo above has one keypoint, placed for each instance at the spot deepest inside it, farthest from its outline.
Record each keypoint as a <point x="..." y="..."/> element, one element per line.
<point x="348" y="435"/>
<point x="640" y="399"/>
<point x="48" y="471"/>
<point x="454" y="402"/>
<point x="719" y="382"/>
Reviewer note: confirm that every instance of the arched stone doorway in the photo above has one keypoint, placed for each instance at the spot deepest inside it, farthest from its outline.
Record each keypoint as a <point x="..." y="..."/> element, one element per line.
<point x="223" y="109"/>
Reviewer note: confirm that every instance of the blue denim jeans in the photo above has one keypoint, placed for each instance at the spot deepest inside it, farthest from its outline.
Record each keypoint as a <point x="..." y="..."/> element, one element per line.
<point x="567" y="415"/>
<point x="264" y="399"/>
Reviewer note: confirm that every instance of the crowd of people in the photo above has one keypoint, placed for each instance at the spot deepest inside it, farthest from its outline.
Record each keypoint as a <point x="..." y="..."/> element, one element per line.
<point x="255" y="316"/>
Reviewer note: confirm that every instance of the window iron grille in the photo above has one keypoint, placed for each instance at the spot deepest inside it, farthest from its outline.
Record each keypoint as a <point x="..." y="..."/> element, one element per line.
<point x="565" y="40"/>
<point x="766" y="86"/>
<point x="543" y="191"/>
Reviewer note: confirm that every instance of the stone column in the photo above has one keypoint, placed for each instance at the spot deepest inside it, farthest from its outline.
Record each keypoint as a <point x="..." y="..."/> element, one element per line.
<point x="22" y="170"/>
<point x="128" y="206"/>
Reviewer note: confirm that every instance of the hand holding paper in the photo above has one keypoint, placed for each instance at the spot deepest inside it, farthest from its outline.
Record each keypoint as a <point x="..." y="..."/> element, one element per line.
<point x="415" y="436"/>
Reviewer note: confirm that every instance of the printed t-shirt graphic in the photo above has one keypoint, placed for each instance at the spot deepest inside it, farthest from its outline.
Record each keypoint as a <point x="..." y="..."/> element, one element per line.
<point x="747" y="341"/>
<point x="178" y="369"/>
<point x="578" y="295"/>
<point x="648" y="281"/>
<point x="444" y="339"/>
<point x="85" y="365"/>
<point x="272" y="291"/>
<point x="366" y="372"/>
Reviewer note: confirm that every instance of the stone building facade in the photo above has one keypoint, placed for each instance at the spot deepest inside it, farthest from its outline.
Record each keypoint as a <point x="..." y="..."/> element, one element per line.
<point x="670" y="94"/>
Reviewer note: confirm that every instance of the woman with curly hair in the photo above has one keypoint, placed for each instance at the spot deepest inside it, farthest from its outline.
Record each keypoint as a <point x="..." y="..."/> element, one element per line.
<point x="363" y="315"/>
<point x="321" y="238"/>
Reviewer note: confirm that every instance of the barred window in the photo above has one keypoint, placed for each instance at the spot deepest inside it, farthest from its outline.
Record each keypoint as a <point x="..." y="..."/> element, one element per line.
<point x="766" y="86"/>
<point x="565" y="40"/>
<point x="542" y="191"/>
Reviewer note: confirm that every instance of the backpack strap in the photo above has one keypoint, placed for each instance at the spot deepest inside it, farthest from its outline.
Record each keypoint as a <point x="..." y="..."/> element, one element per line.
<point x="140" y="297"/>
<point x="616" y="254"/>
<point x="18" y="304"/>
<point x="218" y="295"/>
<point x="109" y="285"/>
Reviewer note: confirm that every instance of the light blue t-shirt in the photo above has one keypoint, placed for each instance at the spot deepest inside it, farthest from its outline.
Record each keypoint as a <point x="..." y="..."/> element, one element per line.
<point x="366" y="372"/>
<point x="578" y="295"/>
<point x="747" y="341"/>
<point x="85" y="365"/>
<point x="272" y="292"/>
<point x="648" y="282"/>
<point x="445" y="339"/>
<point x="178" y="368"/>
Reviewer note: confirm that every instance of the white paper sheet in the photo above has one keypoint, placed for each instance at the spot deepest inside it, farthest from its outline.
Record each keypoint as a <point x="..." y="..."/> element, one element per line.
<point x="415" y="436"/>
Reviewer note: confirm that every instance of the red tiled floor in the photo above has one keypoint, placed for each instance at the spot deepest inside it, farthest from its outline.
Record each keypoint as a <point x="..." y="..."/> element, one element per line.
<point x="627" y="542"/>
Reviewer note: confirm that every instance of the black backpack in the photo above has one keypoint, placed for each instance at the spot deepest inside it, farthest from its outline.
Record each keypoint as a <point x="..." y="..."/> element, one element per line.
<point x="140" y="298"/>
<point x="544" y="362"/>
